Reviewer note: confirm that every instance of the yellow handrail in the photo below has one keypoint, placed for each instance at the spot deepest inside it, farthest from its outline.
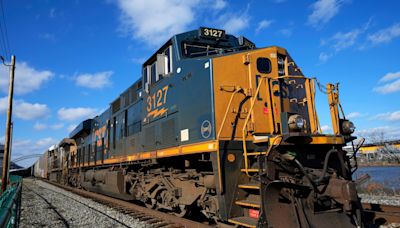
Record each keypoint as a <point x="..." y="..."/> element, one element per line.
<point x="244" y="131"/>
<point x="237" y="89"/>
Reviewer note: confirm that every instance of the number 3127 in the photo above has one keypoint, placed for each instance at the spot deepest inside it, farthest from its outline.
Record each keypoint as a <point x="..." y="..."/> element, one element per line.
<point x="158" y="99"/>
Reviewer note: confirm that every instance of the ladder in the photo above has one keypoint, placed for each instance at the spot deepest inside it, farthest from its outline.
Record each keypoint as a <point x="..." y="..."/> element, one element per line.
<point x="249" y="199"/>
<point x="251" y="202"/>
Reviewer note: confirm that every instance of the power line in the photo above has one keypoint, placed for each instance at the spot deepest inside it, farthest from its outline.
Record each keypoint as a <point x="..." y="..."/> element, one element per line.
<point x="6" y="41"/>
<point x="2" y="43"/>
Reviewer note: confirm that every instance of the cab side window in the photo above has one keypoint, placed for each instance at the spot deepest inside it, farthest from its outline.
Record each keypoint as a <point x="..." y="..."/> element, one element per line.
<point x="158" y="68"/>
<point x="168" y="60"/>
<point x="153" y="73"/>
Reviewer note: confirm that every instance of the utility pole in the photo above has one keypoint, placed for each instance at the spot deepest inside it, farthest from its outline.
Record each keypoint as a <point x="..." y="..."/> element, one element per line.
<point x="7" y="144"/>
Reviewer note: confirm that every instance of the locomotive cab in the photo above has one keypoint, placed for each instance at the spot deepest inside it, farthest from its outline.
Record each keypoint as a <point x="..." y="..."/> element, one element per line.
<point x="263" y="100"/>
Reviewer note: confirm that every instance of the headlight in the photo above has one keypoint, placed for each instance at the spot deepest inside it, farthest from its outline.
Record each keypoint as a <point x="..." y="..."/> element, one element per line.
<point x="296" y="122"/>
<point x="348" y="127"/>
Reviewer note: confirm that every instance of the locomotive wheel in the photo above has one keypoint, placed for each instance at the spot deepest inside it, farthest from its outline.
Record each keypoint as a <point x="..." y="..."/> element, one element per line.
<point x="181" y="211"/>
<point x="151" y="203"/>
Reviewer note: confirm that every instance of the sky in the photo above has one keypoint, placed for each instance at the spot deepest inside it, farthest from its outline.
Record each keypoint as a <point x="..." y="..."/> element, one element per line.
<point x="75" y="57"/>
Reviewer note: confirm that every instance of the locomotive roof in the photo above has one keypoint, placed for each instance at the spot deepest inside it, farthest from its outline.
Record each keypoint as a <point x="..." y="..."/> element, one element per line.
<point x="197" y="36"/>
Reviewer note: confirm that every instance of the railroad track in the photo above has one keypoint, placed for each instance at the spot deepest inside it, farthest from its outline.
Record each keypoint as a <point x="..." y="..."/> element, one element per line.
<point x="155" y="218"/>
<point x="380" y="214"/>
<point x="375" y="214"/>
<point x="50" y="206"/>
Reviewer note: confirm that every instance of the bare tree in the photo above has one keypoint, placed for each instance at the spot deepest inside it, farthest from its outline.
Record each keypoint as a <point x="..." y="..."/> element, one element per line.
<point x="386" y="151"/>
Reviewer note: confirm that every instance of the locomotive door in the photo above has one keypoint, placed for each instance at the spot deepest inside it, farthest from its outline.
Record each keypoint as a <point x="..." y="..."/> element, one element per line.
<point x="263" y="87"/>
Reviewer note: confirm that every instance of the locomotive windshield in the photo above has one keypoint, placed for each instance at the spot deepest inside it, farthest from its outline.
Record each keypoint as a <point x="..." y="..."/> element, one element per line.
<point x="197" y="49"/>
<point x="209" y="41"/>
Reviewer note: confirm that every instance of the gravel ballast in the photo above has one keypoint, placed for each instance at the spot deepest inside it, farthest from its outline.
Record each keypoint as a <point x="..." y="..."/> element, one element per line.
<point x="45" y="205"/>
<point x="380" y="199"/>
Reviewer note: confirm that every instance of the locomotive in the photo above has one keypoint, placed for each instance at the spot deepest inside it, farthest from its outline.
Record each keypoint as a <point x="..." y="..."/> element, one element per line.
<point x="222" y="128"/>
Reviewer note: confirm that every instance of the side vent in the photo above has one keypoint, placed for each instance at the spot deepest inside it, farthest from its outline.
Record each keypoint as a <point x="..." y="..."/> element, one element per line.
<point x="133" y="93"/>
<point x="132" y="142"/>
<point x="168" y="133"/>
<point x="126" y="99"/>
<point x="150" y="137"/>
<point x="116" y="105"/>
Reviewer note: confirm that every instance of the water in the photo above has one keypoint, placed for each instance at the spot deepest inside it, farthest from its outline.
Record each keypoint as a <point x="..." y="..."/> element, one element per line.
<point x="388" y="176"/>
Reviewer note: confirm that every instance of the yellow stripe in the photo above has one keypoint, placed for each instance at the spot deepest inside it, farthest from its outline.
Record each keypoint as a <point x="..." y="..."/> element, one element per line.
<point x="256" y="153"/>
<point x="204" y="147"/>
<point x="240" y="223"/>
<point x="249" y="186"/>
<point x="209" y="146"/>
<point x="250" y="170"/>
<point x="327" y="140"/>
<point x="247" y="204"/>
<point x="168" y="152"/>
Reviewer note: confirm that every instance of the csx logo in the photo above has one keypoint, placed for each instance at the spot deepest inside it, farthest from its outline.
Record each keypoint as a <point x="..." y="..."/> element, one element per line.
<point x="280" y="89"/>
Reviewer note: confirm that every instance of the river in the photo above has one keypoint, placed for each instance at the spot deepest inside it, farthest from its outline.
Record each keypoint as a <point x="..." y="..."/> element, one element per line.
<point x="388" y="176"/>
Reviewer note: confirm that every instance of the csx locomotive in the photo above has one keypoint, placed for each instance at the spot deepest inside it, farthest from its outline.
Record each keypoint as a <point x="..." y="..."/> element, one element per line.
<point x="218" y="126"/>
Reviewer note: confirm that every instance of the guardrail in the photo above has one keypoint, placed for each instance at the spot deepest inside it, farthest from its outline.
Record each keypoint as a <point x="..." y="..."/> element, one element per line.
<point x="10" y="203"/>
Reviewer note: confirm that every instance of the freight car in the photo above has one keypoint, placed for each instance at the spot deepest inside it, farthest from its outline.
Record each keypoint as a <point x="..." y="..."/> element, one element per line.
<point x="40" y="166"/>
<point x="218" y="126"/>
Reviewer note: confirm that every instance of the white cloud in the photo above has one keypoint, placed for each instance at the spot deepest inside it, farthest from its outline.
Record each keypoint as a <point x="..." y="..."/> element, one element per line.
<point x="263" y="25"/>
<point x="52" y="13"/>
<point x="234" y="23"/>
<point x="41" y="126"/>
<point x="353" y="115"/>
<point x="72" y="114"/>
<point x="154" y="21"/>
<point x="323" y="57"/>
<point x="94" y="81"/>
<point x="3" y="104"/>
<point x="379" y="133"/>
<point x="30" y="111"/>
<point x="219" y="4"/>
<point x="286" y="32"/>
<point x="385" y="35"/>
<point x="388" y="116"/>
<point x="326" y="128"/>
<point x="389" y="87"/>
<point x="390" y="76"/>
<point x="392" y="85"/>
<point x="24" y="110"/>
<point x="57" y="126"/>
<point x="343" y="40"/>
<point x="23" y="147"/>
<point x="48" y="36"/>
<point x="139" y="60"/>
<point x="27" y="79"/>
<point x="323" y="12"/>
<point x="71" y="127"/>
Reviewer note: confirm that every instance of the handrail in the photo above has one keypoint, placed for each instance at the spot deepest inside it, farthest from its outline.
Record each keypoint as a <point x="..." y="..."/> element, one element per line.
<point x="312" y="86"/>
<point x="237" y="89"/>
<point x="244" y="131"/>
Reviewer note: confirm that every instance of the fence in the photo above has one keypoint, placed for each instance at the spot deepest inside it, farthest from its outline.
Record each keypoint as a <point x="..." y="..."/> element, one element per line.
<point x="10" y="203"/>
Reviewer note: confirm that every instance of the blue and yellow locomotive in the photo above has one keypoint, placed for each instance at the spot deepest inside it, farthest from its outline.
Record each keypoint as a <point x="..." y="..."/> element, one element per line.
<point x="218" y="126"/>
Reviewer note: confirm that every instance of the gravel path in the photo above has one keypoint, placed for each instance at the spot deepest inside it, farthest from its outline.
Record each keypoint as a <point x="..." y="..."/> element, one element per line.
<point x="387" y="200"/>
<point x="45" y="205"/>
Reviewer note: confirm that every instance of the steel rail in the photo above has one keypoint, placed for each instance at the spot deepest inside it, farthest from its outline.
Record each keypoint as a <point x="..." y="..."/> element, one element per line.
<point x="156" y="218"/>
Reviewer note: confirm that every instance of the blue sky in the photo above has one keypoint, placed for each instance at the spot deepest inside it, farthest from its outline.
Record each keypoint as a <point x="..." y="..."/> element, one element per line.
<point x="75" y="57"/>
